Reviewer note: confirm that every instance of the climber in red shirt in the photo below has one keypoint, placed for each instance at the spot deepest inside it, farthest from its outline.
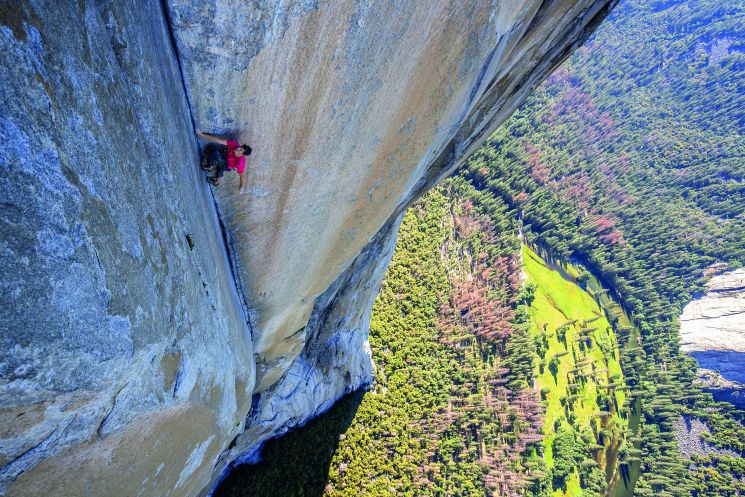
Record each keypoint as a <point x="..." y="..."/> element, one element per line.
<point x="231" y="155"/>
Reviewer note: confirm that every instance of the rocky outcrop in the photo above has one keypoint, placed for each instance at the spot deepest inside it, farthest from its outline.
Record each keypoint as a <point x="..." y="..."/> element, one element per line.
<point x="712" y="330"/>
<point x="152" y="333"/>
<point x="690" y="432"/>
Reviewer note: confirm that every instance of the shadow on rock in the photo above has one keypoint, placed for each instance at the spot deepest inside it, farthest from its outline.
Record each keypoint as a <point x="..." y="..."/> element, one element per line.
<point x="296" y="464"/>
<point x="729" y="364"/>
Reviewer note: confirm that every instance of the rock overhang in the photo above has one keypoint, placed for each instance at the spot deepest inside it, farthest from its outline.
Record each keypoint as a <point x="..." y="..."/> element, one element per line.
<point x="353" y="111"/>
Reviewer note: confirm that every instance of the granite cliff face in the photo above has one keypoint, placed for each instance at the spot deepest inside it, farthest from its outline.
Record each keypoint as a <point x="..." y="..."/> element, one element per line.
<point x="152" y="333"/>
<point x="125" y="365"/>
<point x="712" y="330"/>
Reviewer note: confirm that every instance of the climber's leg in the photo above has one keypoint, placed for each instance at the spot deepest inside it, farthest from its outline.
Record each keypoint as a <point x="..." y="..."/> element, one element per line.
<point x="214" y="163"/>
<point x="220" y="169"/>
<point x="212" y="155"/>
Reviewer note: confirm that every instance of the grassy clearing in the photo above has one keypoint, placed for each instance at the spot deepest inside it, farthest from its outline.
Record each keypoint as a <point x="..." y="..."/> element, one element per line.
<point x="578" y="365"/>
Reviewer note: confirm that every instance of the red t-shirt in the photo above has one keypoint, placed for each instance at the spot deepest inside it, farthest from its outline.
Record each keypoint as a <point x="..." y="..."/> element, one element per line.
<point x="234" y="162"/>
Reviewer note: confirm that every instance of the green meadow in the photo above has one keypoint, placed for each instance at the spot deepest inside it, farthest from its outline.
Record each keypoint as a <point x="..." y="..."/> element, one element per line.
<point x="578" y="373"/>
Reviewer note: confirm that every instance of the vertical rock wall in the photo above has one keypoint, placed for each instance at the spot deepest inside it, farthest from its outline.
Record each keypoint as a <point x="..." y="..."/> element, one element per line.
<point x="336" y="358"/>
<point x="129" y="366"/>
<point x="126" y="358"/>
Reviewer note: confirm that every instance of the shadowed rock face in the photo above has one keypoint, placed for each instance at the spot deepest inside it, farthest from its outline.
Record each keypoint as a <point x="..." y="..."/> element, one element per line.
<point x="139" y="356"/>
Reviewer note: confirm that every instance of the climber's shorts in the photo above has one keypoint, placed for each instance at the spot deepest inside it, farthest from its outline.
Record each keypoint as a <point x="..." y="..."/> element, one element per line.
<point x="216" y="158"/>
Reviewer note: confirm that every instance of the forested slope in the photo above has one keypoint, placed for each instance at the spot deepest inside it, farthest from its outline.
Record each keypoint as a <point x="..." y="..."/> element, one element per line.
<point x="446" y="415"/>
<point x="631" y="158"/>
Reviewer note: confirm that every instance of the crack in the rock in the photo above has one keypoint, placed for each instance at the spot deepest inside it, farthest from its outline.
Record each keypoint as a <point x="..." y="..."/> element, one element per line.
<point x="99" y="430"/>
<point x="704" y="318"/>
<point x="53" y="436"/>
<point x="731" y="289"/>
<point x="227" y="244"/>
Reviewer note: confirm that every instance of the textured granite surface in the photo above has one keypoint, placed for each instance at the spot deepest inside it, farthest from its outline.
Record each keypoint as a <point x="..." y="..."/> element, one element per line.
<point x="125" y="365"/>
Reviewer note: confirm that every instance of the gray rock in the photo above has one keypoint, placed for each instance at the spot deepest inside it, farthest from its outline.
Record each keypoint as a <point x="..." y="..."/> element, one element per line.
<point x="712" y="330"/>
<point x="151" y="333"/>
<point x="689" y="433"/>
<point x="122" y="349"/>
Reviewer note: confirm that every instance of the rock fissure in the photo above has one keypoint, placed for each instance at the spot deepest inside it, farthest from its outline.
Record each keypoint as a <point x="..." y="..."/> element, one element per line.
<point x="705" y="317"/>
<point x="102" y="425"/>
<point x="232" y="263"/>
<point x="229" y="253"/>
<point x="174" y="49"/>
<point x="726" y="291"/>
<point x="51" y="437"/>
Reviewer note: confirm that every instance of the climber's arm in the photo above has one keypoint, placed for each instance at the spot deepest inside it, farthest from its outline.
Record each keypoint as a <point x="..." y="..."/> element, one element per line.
<point x="242" y="183"/>
<point x="211" y="138"/>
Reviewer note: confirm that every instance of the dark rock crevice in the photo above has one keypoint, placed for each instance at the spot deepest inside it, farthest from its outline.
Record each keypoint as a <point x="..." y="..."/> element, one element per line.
<point x="227" y="242"/>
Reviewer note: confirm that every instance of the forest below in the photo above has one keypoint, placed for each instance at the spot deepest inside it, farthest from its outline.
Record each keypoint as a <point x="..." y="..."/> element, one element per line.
<point x="525" y="338"/>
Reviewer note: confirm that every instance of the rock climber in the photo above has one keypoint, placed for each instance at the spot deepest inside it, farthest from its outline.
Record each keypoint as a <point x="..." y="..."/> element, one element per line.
<point x="224" y="155"/>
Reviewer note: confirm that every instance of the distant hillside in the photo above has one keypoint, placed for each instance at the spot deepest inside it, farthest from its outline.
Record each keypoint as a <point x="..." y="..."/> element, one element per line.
<point x="641" y="135"/>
